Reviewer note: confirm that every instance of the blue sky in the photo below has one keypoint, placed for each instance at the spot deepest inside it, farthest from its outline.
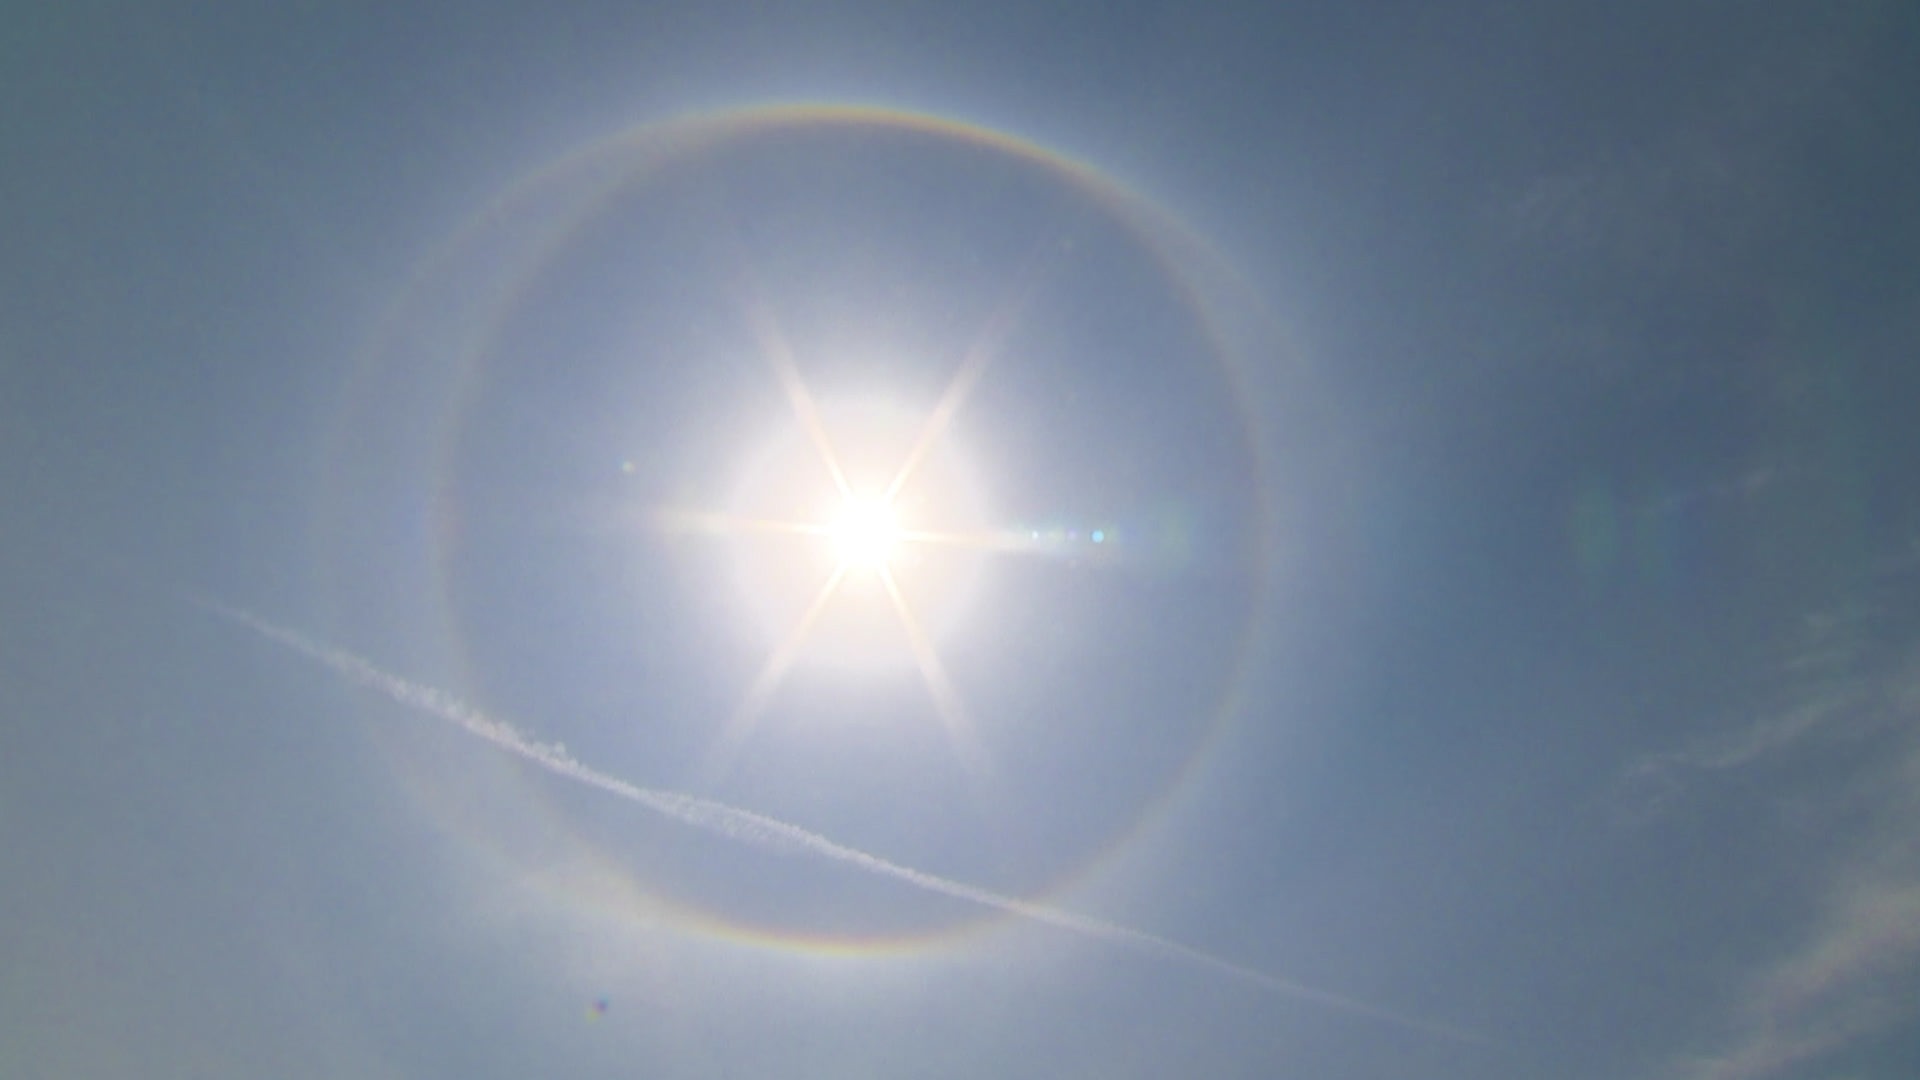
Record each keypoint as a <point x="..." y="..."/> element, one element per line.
<point x="1413" y="568"/>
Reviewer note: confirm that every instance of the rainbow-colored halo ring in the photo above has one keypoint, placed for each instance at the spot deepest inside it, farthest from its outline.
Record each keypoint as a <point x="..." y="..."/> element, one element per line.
<point x="458" y="345"/>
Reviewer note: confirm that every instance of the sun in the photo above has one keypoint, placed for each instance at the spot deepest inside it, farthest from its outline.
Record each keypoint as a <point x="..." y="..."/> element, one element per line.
<point x="865" y="534"/>
<point x="874" y="468"/>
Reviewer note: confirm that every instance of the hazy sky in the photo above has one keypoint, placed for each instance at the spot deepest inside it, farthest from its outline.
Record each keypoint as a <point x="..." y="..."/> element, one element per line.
<point x="1398" y="554"/>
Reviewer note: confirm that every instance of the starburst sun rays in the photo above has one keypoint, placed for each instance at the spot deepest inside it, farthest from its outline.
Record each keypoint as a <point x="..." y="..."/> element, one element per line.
<point x="870" y="535"/>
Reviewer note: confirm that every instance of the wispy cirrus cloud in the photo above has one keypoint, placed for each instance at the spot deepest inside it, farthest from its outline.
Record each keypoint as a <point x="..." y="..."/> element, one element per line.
<point x="1852" y="971"/>
<point x="1710" y="183"/>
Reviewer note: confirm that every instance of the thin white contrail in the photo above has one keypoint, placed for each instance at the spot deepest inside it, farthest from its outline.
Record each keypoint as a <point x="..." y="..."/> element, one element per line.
<point x="748" y="827"/>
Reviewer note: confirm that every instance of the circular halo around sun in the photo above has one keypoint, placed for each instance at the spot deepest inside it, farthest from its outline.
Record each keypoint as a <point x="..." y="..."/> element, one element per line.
<point x="555" y="649"/>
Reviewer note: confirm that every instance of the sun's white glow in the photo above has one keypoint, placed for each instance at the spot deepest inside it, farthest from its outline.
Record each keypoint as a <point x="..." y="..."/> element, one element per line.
<point x="860" y="535"/>
<point x="865" y="534"/>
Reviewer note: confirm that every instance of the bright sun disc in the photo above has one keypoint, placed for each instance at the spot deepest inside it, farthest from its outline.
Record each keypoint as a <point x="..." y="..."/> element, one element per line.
<point x="865" y="534"/>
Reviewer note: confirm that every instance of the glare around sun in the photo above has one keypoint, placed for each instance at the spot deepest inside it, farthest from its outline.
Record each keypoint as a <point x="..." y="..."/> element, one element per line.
<point x="864" y="534"/>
